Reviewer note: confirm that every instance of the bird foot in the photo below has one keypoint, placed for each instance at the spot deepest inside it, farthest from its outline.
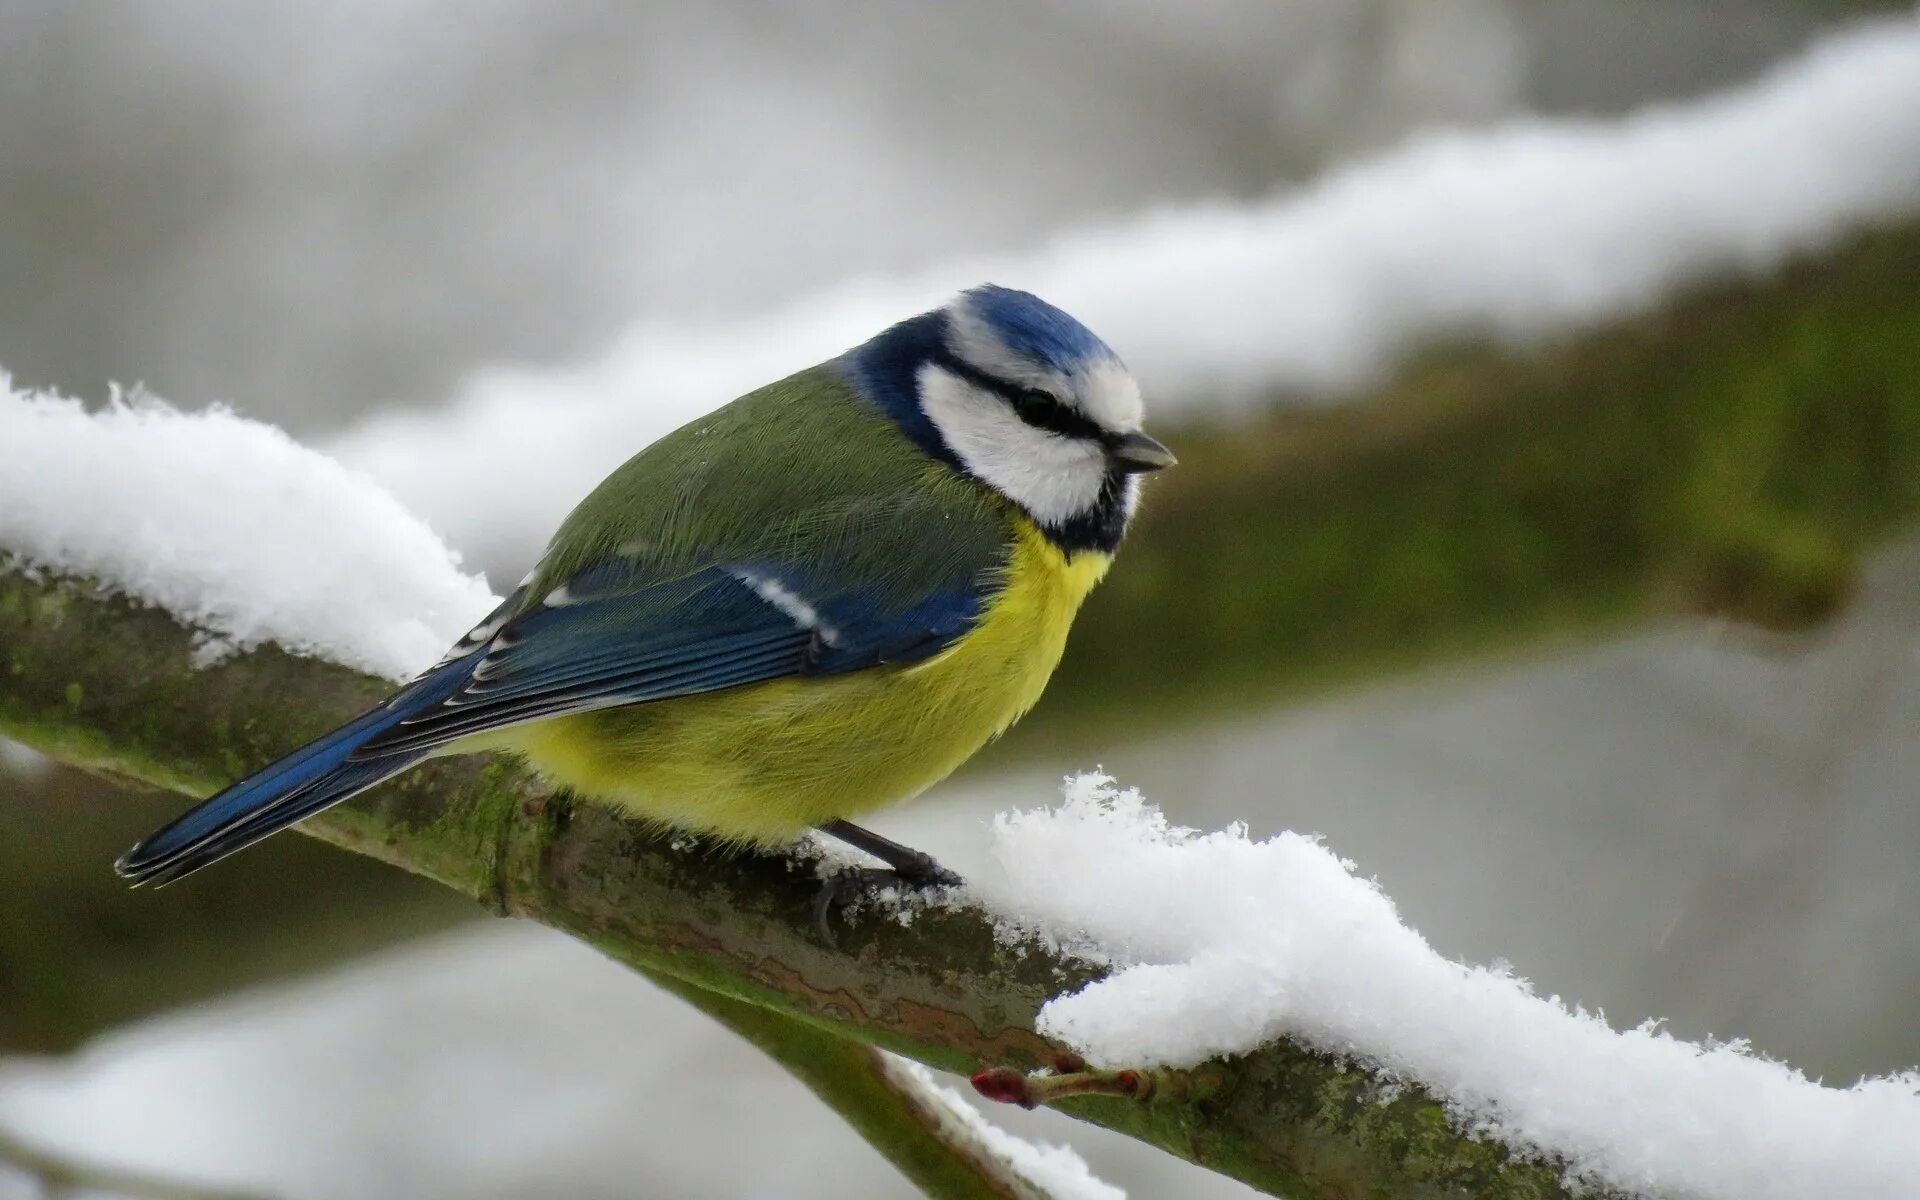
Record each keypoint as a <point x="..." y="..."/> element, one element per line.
<point x="854" y="884"/>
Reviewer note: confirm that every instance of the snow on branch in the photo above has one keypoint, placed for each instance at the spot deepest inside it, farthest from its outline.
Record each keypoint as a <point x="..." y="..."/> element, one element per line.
<point x="230" y="525"/>
<point x="1220" y="944"/>
<point x="1524" y="230"/>
<point x="1267" y="997"/>
<point x="1286" y="1118"/>
<point x="1051" y="1170"/>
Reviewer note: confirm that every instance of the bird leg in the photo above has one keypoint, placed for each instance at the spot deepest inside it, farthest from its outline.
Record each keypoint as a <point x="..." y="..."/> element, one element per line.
<point x="914" y="867"/>
<point x="906" y="868"/>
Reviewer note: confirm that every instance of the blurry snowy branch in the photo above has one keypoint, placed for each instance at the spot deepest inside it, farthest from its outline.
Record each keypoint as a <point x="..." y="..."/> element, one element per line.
<point x="254" y="923"/>
<point x="1513" y="235"/>
<point x="930" y="1135"/>
<point x="1732" y="456"/>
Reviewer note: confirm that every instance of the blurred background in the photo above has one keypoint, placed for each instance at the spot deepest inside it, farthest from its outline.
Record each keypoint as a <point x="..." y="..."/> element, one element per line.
<point x="1666" y="783"/>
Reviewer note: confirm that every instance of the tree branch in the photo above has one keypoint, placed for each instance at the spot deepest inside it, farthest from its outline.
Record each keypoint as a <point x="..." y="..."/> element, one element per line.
<point x="945" y="1163"/>
<point x="141" y="950"/>
<point x="100" y="681"/>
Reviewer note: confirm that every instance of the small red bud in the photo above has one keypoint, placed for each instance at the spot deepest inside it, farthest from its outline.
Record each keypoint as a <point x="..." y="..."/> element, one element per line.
<point x="1002" y="1084"/>
<point x="1128" y="1081"/>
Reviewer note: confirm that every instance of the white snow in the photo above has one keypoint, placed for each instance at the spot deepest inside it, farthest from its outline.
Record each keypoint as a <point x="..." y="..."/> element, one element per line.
<point x="1055" y="1170"/>
<point x="1220" y="944"/>
<point x="230" y="525"/>
<point x="1512" y="233"/>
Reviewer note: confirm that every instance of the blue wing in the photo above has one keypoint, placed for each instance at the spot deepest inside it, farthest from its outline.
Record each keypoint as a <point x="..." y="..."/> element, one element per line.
<point x="604" y="639"/>
<point x="318" y="775"/>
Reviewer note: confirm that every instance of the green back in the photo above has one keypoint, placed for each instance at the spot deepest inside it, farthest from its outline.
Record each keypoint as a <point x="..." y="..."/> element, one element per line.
<point x="804" y="471"/>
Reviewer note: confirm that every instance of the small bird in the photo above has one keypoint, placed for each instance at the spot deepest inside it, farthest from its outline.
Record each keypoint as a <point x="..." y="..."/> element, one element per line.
<point x="813" y="602"/>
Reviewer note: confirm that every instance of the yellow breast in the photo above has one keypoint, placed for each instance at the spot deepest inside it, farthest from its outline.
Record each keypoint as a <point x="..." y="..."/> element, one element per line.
<point x="763" y="763"/>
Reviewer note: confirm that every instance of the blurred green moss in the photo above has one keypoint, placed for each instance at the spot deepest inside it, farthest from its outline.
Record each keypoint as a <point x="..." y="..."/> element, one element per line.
<point x="80" y="952"/>
<point x="1731" y="456"/>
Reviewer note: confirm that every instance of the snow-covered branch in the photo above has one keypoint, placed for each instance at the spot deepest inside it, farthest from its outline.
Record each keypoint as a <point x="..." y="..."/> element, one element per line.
<point x="944" y="989"/>
<point x="1355" y="1057"/>
<point x="932" y="1135"/>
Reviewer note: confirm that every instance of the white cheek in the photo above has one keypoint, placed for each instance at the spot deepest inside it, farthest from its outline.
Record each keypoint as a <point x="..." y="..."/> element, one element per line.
<point x="1054" y="478"/>
<point x="1109" y="395"/>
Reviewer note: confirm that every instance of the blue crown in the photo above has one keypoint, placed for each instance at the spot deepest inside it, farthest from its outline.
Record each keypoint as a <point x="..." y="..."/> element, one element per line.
<point x="1034" y="329"/>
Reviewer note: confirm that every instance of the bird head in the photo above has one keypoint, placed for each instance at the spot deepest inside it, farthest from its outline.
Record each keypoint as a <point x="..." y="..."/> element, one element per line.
<point x="1008" y="389"/>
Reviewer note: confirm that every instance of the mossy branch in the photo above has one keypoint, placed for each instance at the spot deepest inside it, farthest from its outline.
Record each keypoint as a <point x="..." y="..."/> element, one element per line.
<point x="943" y="1161"/>
<point x="81" y="954"/>
<point x="100" y="681"/>
<point x="1733" y="456"/>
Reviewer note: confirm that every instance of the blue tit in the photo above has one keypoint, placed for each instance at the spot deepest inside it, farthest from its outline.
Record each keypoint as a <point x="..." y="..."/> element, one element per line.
<point x="813" y="602"/>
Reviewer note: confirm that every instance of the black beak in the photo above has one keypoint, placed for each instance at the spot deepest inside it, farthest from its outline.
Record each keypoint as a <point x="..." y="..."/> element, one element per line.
<point x="1136" y="454"/>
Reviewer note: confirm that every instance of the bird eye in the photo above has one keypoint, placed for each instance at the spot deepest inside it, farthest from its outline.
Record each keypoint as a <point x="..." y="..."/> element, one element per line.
<point x="1044" y="410"/>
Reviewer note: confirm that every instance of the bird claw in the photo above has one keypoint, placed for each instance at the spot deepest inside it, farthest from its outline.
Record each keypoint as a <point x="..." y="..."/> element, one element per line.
<point x="856" y="883"/>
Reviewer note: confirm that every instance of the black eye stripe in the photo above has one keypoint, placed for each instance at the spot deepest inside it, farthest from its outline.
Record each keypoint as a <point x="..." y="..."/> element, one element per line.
<point x="1042" y="410"/>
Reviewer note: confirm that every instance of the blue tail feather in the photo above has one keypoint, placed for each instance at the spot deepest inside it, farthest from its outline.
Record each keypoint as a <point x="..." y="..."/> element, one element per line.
<point x="317" y="776"/>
